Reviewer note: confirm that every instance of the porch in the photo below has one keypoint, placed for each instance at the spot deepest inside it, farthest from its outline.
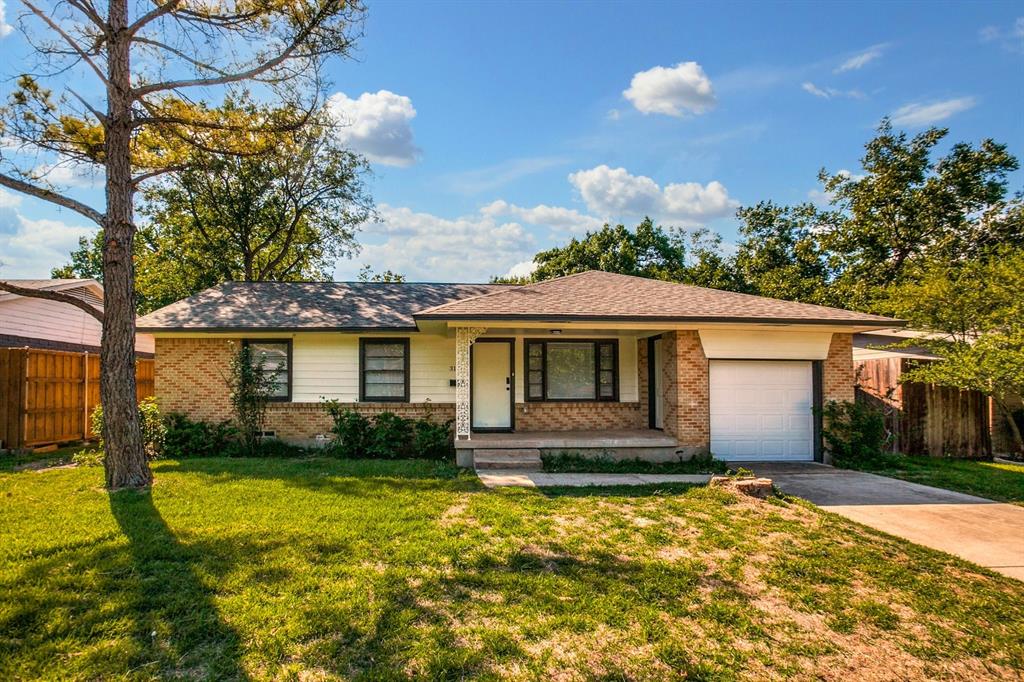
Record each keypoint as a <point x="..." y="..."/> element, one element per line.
<point x="523" y="450"/>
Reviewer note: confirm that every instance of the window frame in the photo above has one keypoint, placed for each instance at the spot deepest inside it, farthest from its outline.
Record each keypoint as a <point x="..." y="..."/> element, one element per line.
<point x="363" y="341"/>
<point x="287" y="398"/>
<point x="597" y="343"/>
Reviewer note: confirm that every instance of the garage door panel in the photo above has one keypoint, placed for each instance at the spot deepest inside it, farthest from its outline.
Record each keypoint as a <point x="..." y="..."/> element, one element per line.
<point x="761" y="409"/>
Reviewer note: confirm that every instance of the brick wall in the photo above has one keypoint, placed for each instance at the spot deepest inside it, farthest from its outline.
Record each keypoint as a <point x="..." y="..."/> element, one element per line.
<point x="584" y="416"/>
<point x="190" y="379"/>
<point x="643" y="383"/>
<point x="190" y="375"/>
<point x="687" y="399"/>
<point x="303" y="421"/>
<point x="838" y="377"/>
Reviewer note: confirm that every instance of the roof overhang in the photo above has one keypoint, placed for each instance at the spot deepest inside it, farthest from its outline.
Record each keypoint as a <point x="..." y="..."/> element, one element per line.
<point x="651" y="323"/>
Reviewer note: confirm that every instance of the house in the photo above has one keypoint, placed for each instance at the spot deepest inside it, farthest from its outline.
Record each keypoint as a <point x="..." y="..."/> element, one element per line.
<point x="595" y="362"/>
<point x="52" y="325"/>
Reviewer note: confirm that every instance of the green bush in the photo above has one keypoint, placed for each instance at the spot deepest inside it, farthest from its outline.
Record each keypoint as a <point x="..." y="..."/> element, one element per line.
<point x="351" y="431"/>
<point x="386" y="436"/>
<point x="432" y="440"/>
<point x="153" y="430"/>
<point x="390" y="437"/>
<point x="853" y="432"/>
<point x="187" y="438"/>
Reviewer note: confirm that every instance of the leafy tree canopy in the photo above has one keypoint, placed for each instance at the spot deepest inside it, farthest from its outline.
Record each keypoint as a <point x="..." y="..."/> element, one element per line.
<point x="284" y="214"/>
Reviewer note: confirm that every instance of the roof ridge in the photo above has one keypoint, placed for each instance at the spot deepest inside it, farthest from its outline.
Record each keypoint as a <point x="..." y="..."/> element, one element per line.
<point x="511" y="287"/>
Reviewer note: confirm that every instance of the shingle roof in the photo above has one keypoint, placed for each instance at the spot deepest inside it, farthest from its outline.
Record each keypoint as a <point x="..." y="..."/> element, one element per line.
<point x="596" y="295"/>
<point x="292" y="306"/>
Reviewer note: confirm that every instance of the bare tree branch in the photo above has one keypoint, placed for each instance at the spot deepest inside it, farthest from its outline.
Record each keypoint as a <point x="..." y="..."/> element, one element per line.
<point x="53" y="197"/>
<point x="255" y="71"/>
<point x="69" y="40"/>
<point x="52" y="296"/>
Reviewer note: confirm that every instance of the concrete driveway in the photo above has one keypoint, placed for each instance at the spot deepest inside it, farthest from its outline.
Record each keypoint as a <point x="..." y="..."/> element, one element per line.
<point x="988" y="533"/>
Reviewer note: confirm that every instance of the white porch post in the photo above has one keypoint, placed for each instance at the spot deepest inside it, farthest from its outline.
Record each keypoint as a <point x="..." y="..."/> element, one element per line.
<point x="464" y="338"/>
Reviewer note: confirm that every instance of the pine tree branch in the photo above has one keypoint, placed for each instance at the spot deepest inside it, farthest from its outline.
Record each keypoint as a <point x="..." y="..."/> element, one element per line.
<point x="52" y="296"/>
<point x="53" y="197"/>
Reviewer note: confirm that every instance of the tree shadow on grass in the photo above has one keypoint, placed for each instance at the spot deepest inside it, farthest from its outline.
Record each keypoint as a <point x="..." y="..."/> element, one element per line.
<point x="338" y="476"/>
<point x="176" y="625"/>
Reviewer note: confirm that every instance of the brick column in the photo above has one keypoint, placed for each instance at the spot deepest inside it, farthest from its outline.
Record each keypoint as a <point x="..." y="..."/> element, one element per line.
<point x="685" y="381"/>
<point x="838" y="376"/>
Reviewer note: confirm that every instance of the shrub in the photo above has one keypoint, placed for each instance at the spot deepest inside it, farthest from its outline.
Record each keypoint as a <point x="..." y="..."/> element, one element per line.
<point x="250" y="388"/>
<point x="153" y="431"/>
<point x="351" y="431"/>
<point x="390" y="437"/>
<point x="386" y="436"/>
<point x="432" y="440"/>
<point x="187" y="438"/>
<point x="853" y="432"/>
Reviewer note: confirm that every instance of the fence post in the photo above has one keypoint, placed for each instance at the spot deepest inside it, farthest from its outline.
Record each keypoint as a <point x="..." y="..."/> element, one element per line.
<point x="85" y="395"/>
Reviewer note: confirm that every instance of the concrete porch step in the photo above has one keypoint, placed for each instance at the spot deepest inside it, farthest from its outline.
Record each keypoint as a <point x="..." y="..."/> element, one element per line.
<point x="520" y="459"/>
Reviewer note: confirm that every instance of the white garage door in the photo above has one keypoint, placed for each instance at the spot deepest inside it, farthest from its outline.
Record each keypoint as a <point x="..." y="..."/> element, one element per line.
<point x="761" y="410"/>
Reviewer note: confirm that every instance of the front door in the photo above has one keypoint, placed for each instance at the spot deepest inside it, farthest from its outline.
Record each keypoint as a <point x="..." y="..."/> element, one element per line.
<point x="492" y="384"/>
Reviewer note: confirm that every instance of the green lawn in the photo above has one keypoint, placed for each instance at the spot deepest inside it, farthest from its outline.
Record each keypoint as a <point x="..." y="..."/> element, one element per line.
<point x="994" y="480"/>
<point x="320" y="569"/>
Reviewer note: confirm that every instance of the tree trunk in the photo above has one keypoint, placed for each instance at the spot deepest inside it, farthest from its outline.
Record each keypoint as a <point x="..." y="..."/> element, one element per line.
<point x="125" y="462"/>
<point x="1018" y="441"/>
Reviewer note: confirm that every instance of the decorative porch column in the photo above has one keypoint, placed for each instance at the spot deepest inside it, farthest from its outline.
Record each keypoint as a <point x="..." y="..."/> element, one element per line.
<point x="464" y="338"/>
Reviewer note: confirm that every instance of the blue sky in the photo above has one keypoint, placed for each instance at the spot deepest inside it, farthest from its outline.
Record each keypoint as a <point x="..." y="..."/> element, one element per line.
<point x="499" y="129"/>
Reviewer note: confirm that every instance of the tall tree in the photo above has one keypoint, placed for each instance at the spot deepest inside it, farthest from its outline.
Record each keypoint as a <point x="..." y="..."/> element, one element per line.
<point x="780" y="254"/>
<point x="648" y="251"/>
<point x="149" y="60"/>
<point x="908" y="206"/>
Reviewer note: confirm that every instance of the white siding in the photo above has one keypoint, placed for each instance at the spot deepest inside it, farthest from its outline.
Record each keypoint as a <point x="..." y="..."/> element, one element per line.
<point x="55" y="321"/>
<point x="762" y="344"/>
<point x="326" y="365"/>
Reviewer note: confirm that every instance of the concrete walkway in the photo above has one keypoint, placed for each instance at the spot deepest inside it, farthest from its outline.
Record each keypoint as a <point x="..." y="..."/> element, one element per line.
<point x="494" y="478"/>
<point x="988" y="533"/>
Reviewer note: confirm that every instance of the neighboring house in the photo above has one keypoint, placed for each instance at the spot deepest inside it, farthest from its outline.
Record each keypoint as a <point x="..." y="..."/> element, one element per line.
<point x="594" y="361"/>
<point x="52" y="325"/>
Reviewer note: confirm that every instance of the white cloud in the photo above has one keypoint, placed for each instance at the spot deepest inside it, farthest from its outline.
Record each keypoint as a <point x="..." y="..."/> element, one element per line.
<point x="65" y="175"/>
<point x="556" y="217"/>
<point x="5" y="28"/>
<point x="9" y="199"/>
<point x="427" y="247"/>
<point x="613" y="115"/>
<point x="500" y="174"/>
<point x="377" y="125"/>
<point x="829" y="93"/>
<point x="673" y="91"/>
<point x="918" y="114"/>
<point x="862" y="59"/>
<point x="1011" y="39"/>
<point x="30" y="248"/>
<point x="524" y="269"/>
<point x="615" y="193"/>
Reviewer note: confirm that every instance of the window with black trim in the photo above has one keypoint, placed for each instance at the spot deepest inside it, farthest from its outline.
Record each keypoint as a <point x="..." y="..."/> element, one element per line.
<point x="273" y="357"/>
<point x="384" y="370"/>
<point x="572" y="370"/>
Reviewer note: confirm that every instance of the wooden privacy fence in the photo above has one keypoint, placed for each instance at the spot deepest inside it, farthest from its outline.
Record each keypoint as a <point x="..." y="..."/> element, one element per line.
<point x="924" y="419"/>
<point x="47" y="396"/>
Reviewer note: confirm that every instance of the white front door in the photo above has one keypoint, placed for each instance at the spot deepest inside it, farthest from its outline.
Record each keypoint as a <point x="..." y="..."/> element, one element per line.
<point x="761" y="410"/>
<point x="492" y="384"/>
